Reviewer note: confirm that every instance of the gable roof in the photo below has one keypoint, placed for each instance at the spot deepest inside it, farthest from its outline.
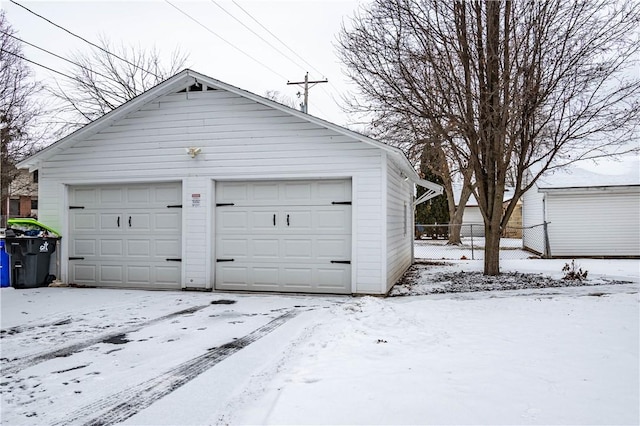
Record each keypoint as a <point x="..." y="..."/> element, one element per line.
<point x="189" y="77"/>
<point x="606" y="172"/>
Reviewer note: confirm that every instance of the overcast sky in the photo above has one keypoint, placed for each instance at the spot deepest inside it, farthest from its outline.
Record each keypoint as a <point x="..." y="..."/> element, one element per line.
<point x="307" y="27"/>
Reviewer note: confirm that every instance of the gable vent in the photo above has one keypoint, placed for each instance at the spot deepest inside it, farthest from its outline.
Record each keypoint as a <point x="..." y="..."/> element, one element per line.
<point x="196" y="87"/>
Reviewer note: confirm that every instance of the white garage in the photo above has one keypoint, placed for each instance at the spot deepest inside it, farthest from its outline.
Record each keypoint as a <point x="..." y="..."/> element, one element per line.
<point x="197" y="184"/>
<point x="590" y="210"/>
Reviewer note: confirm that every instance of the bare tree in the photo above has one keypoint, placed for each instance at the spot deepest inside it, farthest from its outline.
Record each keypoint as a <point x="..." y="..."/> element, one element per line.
<point x="436" y="152"/>
<point x="109" y="76"/>
<point x="512" y="86"/>
<point x="277" y="96"/>
<point x="20" y="110"/>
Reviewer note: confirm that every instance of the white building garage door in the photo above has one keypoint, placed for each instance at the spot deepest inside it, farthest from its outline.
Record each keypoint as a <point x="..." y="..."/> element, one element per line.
<point x="126" y="236"/>
<point x="289" y="236"/>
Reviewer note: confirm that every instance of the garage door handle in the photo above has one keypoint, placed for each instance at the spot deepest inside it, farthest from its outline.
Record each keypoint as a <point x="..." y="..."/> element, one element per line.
<point x="76" y="258"/>
<point x="274" y="220"/>
<point x="225" y="260"/>
<point x="118" y="221"/>
<point x="129" y="221"/>
<point x="287" y="220"/>
<point x="345" y="262"/>
<point x="174" y="259"/>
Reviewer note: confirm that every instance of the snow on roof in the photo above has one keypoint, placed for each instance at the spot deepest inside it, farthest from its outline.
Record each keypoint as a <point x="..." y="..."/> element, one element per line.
<point x="622" y="171"/>
<point x="457" y="189"/>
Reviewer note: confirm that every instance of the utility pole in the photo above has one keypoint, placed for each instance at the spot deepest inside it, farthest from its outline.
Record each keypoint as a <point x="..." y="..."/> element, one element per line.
<point x="305" y="105"/>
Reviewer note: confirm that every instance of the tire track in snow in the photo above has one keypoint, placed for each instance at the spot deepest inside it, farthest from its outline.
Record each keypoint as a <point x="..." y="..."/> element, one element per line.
<point x="6" y="332"/>
<point x="13" y="367"/>
<point x="120" y="406"/>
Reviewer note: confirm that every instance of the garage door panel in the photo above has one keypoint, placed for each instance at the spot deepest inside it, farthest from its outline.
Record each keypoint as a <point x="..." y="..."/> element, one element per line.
<point x="138" y="274"/>
<point x="84" y="196"/>
<point x="298" y="248"/>
<point x="262" y="191"/>
<point x="281" y="193"/>
<point x="330" y="190"/>
<point x="111" y="222"/>
<point x="138" y="222"/>
<point x="126" y="236"/>
<point x="85" y="273"/>
<point x="167" y="275"/>
<point x="299" y="220"/>
<point x="87" y="222"/>
<point x="232" y="247"/>
<point x="333" y="248"/>
<point x="138" y="195"/>
<point x="297" y="277"/>
<point x="111" y="274"/>
<point x="111" y="248"/>
<point x="168" y="194"/>
<point x="111" y="197"/>
<point x="139" y="248"/>
<point x="283" y="236"/>
<point x="83" y="247"/>
<point x="336" y="219"/>
<point x="167" y="248"/>
<point x="297" y="192"/>
<point x="233" y="275"/>
<point x="333" y="279"/>
<point x="167" y="221"/>
<point x="232" y="221"/>
<point x="262" y="248"/>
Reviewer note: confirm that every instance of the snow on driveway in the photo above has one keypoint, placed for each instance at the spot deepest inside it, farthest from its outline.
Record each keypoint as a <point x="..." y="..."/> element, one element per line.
<point x="543" y="356"/>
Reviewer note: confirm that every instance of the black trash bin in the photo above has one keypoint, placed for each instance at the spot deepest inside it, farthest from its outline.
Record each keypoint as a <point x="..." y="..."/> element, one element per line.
<point x="30" y="258"/>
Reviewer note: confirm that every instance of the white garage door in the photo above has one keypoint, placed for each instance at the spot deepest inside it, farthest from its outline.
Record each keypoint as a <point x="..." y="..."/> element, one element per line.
<point x="284" y="236"/>
<point x="126" y="236"/>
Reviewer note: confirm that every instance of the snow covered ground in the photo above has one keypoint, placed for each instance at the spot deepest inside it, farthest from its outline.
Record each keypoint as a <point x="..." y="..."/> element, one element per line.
<point x="561" y="355"/>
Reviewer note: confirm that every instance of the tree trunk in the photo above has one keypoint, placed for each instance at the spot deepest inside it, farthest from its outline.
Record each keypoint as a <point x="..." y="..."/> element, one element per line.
<point x="455" y="227"/>
<point x="492" y="248"/>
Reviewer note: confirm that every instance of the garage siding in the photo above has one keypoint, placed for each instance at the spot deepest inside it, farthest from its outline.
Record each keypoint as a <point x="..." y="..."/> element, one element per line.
<point x="239" y="139"/>
<point x="533" y="215"/>
<point x="196" y="206"/>
<point x="399" y="224"/>
<point x="611" y="227"/>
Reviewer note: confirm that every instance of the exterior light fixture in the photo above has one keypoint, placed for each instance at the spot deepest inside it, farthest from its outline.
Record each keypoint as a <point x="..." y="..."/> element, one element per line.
<point x="193" y="151"/>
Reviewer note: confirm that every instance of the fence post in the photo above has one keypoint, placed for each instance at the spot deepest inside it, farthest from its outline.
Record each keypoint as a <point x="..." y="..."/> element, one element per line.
<point x="547" y="247"/>
<point x="472" y="253"/>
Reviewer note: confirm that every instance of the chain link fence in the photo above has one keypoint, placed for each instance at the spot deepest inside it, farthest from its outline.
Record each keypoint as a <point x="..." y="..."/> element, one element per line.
<point x="432" y="242"/>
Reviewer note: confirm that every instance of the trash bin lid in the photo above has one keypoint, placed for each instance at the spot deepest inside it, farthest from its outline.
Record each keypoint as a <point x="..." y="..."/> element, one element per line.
<point x="31" y="222"/>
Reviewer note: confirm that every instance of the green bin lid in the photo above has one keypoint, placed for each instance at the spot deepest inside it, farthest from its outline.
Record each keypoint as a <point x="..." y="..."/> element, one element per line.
<point x="31" y="222"/>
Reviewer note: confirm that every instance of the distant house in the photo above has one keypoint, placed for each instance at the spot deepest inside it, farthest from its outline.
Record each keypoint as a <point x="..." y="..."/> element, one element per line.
<point x="588" y="214"/>
<point x="198" y="184"/>
<point x="23" y="195"/>
<point x="472" y="217"/>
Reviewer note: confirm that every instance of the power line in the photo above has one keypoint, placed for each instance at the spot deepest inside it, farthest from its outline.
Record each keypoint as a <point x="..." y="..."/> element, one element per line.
<point x="276" y="37"/>
<point x="291" y="50"/>
<point x="59" y="57"/>
<point x="223" y="39"/>
<point x="84" y="39"/>
<point x="257" y="35"/>
<point x="36" y="63"/>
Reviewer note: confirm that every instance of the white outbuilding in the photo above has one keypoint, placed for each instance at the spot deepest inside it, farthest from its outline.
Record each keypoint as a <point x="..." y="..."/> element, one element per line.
<point x="197" y="184"/>
<point x="589" y="212"/>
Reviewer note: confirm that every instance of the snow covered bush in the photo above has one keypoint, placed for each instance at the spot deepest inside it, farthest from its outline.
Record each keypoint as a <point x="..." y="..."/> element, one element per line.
<point x="571" y="273"/>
